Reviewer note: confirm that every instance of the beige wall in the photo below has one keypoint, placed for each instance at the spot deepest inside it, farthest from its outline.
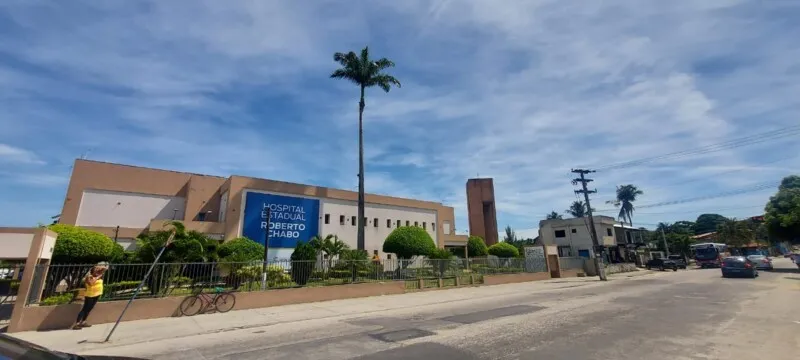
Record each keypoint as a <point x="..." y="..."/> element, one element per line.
<point x="203" y="193"/>
<point x="15" y="243"/>
<point x="577" y="232"/>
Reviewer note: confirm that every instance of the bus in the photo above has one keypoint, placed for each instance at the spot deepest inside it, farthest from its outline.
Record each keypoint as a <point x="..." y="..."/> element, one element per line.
<point x="709" y="254"/>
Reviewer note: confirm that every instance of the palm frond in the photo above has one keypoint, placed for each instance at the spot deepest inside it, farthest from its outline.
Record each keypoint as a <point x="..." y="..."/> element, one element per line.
<point x="383" y="81"/>
<point x="384" y="64"/>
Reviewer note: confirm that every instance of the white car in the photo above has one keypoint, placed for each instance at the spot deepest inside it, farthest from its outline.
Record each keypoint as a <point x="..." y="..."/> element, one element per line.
<point x="761" y="262"/>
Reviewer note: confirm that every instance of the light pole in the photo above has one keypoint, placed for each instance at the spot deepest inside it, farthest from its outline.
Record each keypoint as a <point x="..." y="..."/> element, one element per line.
<point x="266" y="251"/>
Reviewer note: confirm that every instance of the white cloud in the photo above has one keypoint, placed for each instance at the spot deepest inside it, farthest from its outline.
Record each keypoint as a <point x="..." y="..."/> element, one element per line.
<point x="521" y="92"/>
<point x="11" y="154"/>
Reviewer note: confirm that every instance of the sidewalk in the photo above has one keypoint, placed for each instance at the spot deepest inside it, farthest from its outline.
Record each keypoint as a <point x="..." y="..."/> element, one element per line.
<point x="141" y="331"/>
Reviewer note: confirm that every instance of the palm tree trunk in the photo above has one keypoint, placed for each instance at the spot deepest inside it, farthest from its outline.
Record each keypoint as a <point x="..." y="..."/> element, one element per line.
<point x="360" y="243"/>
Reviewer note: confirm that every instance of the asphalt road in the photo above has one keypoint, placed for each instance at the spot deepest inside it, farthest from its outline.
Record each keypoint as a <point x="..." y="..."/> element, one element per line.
<point x="690" y="314"/>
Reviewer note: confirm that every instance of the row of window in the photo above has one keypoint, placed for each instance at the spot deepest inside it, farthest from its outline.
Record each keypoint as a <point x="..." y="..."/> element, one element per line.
<point x="563" y="233"/>
<point x="376" y="222"/>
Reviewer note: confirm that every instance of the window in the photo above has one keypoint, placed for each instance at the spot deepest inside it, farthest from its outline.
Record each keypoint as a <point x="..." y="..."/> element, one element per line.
<point x="365" y="222"/>
<point x="353" y="220"/>
<point x="201" y="216"/>
<point x="408" y="223"/>
<point x="608" y="232"/>
<point x="561" y="233"/>
<point x="375" y="222"/>
<point x="327" y="219"/>
<point x="574" y="231"/>
<point x="416" y="224"/>
<point x="389" y="223"/>
<point x="424" y="226"/>
<point x="341" y="219"/>
<point x="398" y="223"/>
<point x="433" y="226"/>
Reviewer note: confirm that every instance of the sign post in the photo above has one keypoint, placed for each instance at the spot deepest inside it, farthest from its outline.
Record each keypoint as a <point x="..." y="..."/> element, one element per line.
<point x="266" y="252"/>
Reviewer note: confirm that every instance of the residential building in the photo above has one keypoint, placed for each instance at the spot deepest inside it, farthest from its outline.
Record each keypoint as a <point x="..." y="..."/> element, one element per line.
<point x="573" y="236"/>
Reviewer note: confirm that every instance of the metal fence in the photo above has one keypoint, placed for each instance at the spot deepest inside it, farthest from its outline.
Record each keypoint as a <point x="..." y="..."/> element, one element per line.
<point x="62" y="283"/>
<point x="10" y="275"/>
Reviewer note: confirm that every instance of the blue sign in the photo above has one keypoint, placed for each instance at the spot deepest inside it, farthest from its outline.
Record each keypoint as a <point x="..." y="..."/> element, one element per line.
<point x="292" y="219"/>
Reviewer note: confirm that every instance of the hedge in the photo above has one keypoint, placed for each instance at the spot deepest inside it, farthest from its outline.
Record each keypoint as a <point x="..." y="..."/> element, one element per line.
<point x="504" y="250"/>
<point x="476" y="247"/>
<point x="81" y="246"/>
<point x="409" y="241"/>
<point x="241" y="249"/>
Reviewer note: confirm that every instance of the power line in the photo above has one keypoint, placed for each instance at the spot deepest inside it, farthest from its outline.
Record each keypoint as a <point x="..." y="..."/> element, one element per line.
<point x="751" y="188"/>
<point x="726" y="145"/>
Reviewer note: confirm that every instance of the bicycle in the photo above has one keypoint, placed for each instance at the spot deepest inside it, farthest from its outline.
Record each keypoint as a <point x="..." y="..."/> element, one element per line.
<point x="222" y="301"/>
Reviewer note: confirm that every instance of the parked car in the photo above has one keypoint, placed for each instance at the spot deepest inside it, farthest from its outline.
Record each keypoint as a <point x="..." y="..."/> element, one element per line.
<point x="13" y="348"/>
<point x="661" y="264"/>
<point x="678" y="259"/>
<point x="738" y="266"/>
<point x="761" y="262"/>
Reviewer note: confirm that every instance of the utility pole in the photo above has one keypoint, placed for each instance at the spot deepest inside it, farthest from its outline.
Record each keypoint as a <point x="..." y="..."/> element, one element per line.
<point x="598" y="264"/>
<point x="664" y="239"/>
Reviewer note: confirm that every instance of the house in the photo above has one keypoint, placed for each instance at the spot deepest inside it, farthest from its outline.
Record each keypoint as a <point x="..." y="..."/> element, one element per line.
<point x="573" y="237"/>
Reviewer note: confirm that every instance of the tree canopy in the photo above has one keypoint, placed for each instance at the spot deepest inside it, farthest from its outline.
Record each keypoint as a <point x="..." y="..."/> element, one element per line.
<point x="782" y="212"/>
<point x="76" y="245"/>
<point x="626" y="196"/>
<point x="578" y="209"/>
<point x="409" y="241"/>
<point x="476" y="247"/>
<point x="503" y="250"/>
<point x="707" y="223"/>
<point x="553" y="216"/>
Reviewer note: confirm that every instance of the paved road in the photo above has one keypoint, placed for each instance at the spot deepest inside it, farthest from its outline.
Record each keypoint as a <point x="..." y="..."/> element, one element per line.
<point x="692" y="314"/>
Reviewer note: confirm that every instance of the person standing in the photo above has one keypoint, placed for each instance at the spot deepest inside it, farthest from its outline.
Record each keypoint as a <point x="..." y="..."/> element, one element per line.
<point x="93" y="282"/>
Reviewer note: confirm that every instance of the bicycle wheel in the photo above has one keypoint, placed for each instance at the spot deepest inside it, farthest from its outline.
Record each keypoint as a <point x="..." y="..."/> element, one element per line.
<point x="191" y="305"/>
<point x="224" y="302"/>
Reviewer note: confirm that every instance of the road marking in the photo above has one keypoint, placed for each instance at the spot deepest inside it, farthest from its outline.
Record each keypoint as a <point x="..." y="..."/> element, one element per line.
<point x="691" y="297"/>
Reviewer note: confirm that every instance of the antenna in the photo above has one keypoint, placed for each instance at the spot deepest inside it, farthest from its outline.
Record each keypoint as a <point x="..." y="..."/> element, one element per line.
<point x="86" y="154"/>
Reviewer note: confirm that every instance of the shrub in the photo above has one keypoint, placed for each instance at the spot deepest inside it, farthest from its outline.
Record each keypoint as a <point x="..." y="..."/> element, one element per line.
<point x="441" y="261"/>
<point x="476" y="247"/>
<point x="109" y="289"/>
<point x="81" y="246"/>
<point x="241" y="249"/>
<point x="65" y="298"/>
<point x="503" y="250"/>
<point x="409" y="241"/>
<point x="303" y="259"/>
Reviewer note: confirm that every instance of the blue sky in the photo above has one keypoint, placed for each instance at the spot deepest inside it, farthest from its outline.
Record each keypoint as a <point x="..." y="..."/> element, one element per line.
<point x="516" y="90"/>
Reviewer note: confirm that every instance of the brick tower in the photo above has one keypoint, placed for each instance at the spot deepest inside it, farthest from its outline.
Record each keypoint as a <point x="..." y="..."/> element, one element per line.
<point x="481" y="210"/>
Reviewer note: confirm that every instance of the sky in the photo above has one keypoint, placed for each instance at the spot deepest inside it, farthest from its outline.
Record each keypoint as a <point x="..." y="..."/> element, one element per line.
<point x="520" y="91"/>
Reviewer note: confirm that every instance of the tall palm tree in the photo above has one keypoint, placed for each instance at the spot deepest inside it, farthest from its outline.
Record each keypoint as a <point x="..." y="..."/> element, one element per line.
<point x="626" y="195"/>
<point x="578" y="209"/>
<point x="553" y="216"/>
<point x="364" y="72"/>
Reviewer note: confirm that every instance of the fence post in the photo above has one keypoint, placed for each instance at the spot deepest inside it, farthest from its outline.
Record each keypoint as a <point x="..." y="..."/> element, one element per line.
<point x="421" y="283"/>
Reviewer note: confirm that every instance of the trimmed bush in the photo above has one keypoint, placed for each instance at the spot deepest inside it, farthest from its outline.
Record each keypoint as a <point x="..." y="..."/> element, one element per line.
<point x="303" y="259"/>
<point x="503" y="250"/>
<point x="476" y="247"/>
<point x="62" y="299"/>
<point x="409" y="241"/>
<point x="241" y="249"/>
<point x="75" y="245"/>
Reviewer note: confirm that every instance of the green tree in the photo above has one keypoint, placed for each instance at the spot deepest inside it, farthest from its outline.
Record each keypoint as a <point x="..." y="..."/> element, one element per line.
<point x="707" y="223"/>
<point x="364" y="72"/>
<point x="782" y="212"/>
<point x="680" y="243"/>
<point x="626" y="196"/>
<point x="75" y="245"/>
<point x="186" y="247"/>
<point x="553" y="216"/>
<point x="303" y="259"/>
<point x="241" y="249"/>
<point x="734" y="233"/>
<point x="409" y="241"/>
<point x="504" y="250"/>
<point x="330" y="245"/>
<point x="476" y="247"/>
<point x="578" y="209"/>
<point x="510" y="235"/>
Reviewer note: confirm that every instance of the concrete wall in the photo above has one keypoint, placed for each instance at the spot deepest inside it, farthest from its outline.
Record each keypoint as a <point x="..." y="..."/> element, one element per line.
<point x="128" y="210"/>
<point x="15" y="243"/>
<point x="577" y="233"/>
<point x="60" y="317"/>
